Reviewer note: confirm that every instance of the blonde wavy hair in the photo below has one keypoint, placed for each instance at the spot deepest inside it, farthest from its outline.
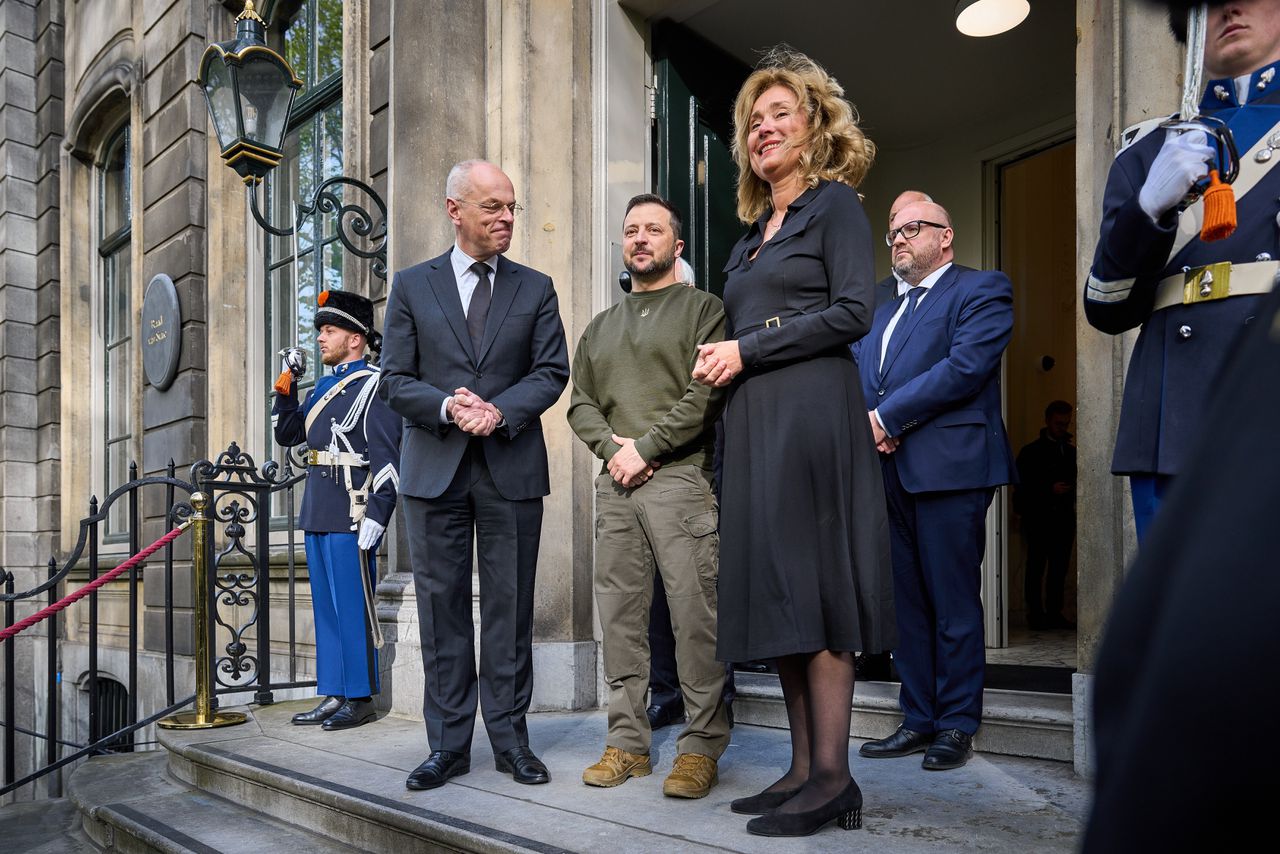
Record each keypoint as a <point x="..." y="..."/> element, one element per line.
<point x="832" y="149"/>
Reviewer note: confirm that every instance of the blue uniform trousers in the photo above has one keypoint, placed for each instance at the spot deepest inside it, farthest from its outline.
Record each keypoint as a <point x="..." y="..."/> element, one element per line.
<point x="937" y="541"/>
<point x="346" y="662"/>
<point x="1147" y="491"/>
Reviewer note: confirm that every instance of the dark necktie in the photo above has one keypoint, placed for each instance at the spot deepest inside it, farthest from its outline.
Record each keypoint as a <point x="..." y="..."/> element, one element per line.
<point x="478" y="311"/>
<point x="913" y="296"/>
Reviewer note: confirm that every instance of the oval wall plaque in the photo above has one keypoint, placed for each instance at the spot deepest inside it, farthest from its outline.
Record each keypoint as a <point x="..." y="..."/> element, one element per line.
<point x="161" y="332"/>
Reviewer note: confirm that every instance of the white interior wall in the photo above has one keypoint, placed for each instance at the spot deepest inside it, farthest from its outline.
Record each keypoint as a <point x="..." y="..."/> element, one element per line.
<point x="950" y="168"/>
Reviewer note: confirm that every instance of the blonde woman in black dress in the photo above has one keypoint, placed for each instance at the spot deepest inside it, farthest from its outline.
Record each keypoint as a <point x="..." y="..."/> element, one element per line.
<point x="805" y="575"/>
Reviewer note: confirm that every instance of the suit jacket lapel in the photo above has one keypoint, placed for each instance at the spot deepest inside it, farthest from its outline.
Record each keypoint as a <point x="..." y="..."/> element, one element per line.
<point x="876" y="338"/>
<point x="504" y="293"/>
<point x="931" y="302"/>
<point x="445" y="286"/>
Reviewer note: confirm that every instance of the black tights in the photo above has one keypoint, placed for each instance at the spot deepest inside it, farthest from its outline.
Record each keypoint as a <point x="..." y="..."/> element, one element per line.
<point x="818" y="690"/>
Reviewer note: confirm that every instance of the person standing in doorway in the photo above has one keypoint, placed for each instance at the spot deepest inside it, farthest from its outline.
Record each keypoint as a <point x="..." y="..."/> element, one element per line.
<point x="1045" y="498"/>
<point x="931" y="365"/>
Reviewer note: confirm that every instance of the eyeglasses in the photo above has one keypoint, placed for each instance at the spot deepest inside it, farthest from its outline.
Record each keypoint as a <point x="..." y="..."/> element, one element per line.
<point x="910" y="230"/>
<point x="492" y="208"/>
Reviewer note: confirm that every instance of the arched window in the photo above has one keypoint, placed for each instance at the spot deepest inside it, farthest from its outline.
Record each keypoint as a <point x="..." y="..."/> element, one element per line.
<point x="115" y="274"/>
<point x="299" y="268"/>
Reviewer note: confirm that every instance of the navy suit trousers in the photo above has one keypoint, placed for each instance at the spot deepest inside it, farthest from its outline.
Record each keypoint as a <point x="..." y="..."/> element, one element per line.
<point x="937" y="539"/>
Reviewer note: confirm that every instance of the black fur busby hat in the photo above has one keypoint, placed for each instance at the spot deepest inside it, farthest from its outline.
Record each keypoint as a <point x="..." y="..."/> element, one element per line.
<point x="348" y="311"/>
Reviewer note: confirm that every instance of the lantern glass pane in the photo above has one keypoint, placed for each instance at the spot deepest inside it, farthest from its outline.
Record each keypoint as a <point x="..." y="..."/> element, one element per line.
<point x="265" y="95"/>
<point x="221" y="93"/>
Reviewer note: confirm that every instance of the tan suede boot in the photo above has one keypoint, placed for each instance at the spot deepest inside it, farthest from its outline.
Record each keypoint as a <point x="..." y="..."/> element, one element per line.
<point x="692" y="776"/>
<point x="616" y="767"/>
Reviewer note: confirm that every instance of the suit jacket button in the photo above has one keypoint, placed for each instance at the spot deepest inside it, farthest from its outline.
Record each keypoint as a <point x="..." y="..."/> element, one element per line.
<point x="880" y="392"/>
<point x="479" y="375"/>
<point x="1184" y="332"/>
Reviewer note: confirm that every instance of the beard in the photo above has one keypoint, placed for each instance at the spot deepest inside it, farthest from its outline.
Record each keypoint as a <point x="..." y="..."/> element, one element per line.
<point x="918" y="264"/>
<point x="335" y="356"/>
<point x="657" y="266"/>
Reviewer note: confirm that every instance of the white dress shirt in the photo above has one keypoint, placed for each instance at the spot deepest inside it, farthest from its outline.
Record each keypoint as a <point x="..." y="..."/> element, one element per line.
<point x="466" y="277"/>
<point x="903" y="287"/>
<point x="467" y="281"/>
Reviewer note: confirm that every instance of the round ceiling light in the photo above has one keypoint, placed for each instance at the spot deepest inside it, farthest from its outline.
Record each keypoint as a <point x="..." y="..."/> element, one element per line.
<point x="990" y="17"/>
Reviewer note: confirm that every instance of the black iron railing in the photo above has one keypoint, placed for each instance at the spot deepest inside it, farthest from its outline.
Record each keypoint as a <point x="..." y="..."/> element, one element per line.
<point x="237" y="593"/>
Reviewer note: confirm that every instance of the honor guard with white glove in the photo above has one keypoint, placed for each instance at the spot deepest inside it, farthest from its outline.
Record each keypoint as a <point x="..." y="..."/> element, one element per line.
<point x="353" y="460"/>
<point x="1190" y="296"/>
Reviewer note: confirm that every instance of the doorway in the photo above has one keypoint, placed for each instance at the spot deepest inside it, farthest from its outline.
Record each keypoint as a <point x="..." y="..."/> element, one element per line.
<point x="1036" y="248"/>
<point x="940" y="126"/>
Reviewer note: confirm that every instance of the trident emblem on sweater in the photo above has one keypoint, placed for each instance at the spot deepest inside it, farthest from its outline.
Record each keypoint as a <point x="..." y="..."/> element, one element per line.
<point x="644" y="312"/>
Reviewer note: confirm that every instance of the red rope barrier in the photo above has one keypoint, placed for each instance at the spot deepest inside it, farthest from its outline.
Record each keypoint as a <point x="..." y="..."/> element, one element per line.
<point x="71" y="598"/>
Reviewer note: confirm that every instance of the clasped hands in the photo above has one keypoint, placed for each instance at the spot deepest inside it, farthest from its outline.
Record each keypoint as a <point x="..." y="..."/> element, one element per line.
<point x="885" y="443"/>
<point x="627" y="468"/>
<point x="717" y="364"/>
<point x="472" y="414"/>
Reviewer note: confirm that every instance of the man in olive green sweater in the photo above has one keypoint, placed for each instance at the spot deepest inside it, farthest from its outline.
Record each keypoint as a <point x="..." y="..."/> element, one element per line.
<point x="636" y="407"/>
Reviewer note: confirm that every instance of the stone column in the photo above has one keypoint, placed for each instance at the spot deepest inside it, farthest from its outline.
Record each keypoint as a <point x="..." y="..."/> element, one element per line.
<point x="540" y="87"/>
<point x="1128" y="69"/>
<point x="428" y="93"/>
<point x="30" y="131"/>
<point x="172" y="161"/>
<point x="511" y="82"/>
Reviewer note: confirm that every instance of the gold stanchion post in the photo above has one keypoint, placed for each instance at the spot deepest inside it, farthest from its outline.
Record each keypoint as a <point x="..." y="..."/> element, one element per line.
<point x="204" y="717"/>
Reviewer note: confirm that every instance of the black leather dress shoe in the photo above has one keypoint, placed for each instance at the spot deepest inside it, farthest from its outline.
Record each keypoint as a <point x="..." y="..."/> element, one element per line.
<point x="353" y="713"/>
<point x="660" y="716"/>
<point x="522" y="765"/>
<point x="327" y="707"/>
<point x="903" y="742"/>
<point x="440" y="766"/>
<point x="950" y="749"/>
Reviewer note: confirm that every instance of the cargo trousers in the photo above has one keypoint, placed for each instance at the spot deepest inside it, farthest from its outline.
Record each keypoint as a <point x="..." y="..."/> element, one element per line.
<point x="666" y="525"/>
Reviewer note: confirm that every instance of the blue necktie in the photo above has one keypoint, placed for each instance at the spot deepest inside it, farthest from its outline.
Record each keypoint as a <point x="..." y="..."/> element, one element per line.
<point x="913" y="297"/>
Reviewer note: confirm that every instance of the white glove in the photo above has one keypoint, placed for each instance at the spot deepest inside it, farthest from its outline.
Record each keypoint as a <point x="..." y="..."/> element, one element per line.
<point x="370" y="531"/>
<point x="1177" y="167"/>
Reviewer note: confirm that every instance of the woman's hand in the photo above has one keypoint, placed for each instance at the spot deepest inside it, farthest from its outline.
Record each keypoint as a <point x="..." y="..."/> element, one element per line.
<point x="718" y="363"/>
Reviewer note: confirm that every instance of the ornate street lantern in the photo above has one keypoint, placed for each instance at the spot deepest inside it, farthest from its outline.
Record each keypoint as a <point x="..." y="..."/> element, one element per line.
<point x="250" y="90"/>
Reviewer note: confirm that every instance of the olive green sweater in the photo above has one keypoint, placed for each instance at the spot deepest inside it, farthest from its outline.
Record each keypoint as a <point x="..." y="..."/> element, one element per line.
<point x="632" y="376"/>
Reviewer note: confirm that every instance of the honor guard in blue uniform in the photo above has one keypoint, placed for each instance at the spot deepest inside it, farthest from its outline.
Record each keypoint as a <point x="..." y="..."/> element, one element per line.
<point x="1190" y="297"/>
<point x="353" y="456"/>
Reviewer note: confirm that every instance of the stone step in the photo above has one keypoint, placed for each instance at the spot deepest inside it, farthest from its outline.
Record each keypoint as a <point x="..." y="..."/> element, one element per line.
<point x="50" y="826"/>
<point x="1014" y="723"/>
<point x="130" y="804"/>
<point x="350" y="786"/>
<point x="363" y="803"/>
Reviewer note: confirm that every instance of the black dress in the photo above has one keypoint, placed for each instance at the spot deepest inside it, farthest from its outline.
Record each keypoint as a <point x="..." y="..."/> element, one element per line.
<point x="804" y="557"/>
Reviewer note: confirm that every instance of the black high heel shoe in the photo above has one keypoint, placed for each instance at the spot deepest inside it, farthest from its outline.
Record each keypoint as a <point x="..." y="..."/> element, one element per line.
<point x="845" y="809"/>
<point x="763" y="802"/>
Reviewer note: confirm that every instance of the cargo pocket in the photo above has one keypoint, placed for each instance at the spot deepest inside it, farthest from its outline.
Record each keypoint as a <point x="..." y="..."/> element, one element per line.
<point x="704" y="537"/>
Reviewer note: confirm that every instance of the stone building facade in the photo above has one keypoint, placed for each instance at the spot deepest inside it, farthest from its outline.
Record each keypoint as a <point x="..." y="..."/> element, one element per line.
<point x="112" y="176"/>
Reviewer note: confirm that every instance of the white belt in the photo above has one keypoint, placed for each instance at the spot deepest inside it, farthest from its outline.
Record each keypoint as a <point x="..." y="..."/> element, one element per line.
<point x="1216" y="281"/>
<point x="324" y="458"/>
